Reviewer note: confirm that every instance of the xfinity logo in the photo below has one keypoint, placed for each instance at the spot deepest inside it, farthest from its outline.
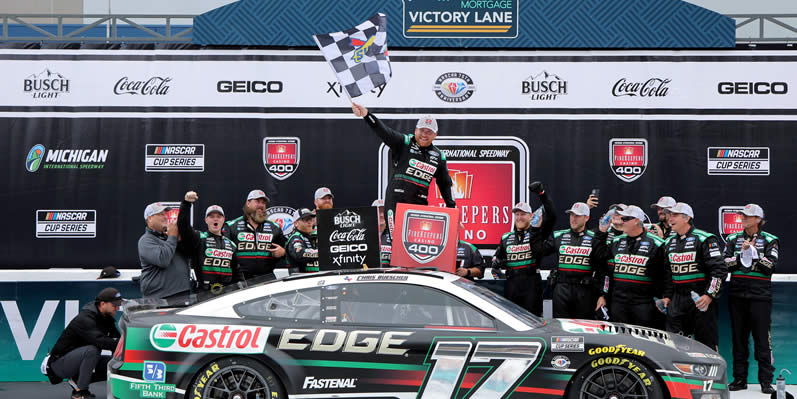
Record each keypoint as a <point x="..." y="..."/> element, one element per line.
<point x="155" y="85"/>
<point x="337" y="90"/>
<point x="249" y="86"/>
<point x="752" y="87"/>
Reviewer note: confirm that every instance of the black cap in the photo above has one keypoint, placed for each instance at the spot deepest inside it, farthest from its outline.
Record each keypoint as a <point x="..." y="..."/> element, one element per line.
<point x="109" y="272"/>
<point x="110" y="294"/>
<point x="303" y="213"/>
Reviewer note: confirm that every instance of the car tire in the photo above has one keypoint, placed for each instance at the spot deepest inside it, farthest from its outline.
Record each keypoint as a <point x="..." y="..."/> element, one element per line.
<point x="615" y="377"/>
<point x="228" y="377"/>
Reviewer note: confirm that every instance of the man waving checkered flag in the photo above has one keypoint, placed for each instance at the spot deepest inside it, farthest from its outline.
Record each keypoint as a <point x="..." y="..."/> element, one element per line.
<point x="358" y="55"/>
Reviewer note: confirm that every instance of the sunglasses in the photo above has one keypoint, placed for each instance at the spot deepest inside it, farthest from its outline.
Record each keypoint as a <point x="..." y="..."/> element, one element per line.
<point x="627" y="218"/>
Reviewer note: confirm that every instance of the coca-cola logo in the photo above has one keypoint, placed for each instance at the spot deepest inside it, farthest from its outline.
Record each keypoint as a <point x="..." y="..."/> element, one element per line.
<point x="653" y="87"/>
<point x="155" y="85"/>
<point x="347" y="236"/>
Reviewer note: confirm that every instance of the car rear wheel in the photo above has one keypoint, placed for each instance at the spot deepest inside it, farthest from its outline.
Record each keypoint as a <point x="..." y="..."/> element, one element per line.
<point x="615" y="378"/>
<point x="236" y="378"/>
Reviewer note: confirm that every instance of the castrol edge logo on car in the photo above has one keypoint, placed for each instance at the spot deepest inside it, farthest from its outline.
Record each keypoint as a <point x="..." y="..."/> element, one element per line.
<point x="209" y="338"/>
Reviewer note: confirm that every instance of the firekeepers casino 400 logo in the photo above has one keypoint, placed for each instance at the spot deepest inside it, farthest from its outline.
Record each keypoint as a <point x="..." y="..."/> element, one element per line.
<point x="628" y="158"/>
<point x="730" y="221"/>
<point x="281" y="156"/>
<point x="425" y="234"/>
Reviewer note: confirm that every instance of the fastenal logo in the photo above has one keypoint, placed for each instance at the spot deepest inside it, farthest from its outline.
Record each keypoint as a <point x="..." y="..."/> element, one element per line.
<point x="738" y="161"/>
<point x="454" y="87"/>
<point x="34" y="158"/>
<point x="544" y="87"/>
<point x="209" y="338"/>
<point x="281" y="156"/>
<point x="730" y="221"/>
<point x="46" y="84"/>
<point x="283" y="217"/>
<point x="174" y="158"/>
<point x="628" y="158"/>
<point x="39" y="157"/>
<point x="425" y="234"/>
<point x="66" y="223"/>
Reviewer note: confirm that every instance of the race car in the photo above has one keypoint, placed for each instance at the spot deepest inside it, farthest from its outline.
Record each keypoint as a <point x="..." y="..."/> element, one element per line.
<point x="395" y="333"/>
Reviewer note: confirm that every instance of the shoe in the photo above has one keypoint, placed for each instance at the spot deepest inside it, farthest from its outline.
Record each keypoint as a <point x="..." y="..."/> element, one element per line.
<point x="737" y="385"/>
<point x="767" y="388"/>
<point x="82" y="394"/>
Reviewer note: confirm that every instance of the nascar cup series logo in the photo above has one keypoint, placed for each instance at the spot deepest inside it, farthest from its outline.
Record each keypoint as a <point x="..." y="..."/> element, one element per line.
<point x="742" y="161"/>
<point x="281" y="156"/>
<point x="628" y="158"/>
<point x="454" y="87"/>
<point x="175" y="158"/>
<point x="66" y="223"/>
<point x="209" y="338"/>
<point x="283" y="217"/>
<point x="730" y="221"/>
<point x="425" y="235"/>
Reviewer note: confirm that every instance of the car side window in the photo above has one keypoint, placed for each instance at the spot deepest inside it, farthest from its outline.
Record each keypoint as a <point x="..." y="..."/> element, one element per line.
<point x="302" y="305"/>
<point x="402" y="305"/>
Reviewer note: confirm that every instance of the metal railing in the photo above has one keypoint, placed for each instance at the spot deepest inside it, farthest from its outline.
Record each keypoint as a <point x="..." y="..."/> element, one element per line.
<point x="764" y="21"/>
<point x="91" y="30"/>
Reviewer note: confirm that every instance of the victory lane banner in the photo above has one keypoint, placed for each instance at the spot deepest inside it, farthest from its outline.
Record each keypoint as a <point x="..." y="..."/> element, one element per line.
<point x="348" y="238"/>
<point x="425" y="236"/>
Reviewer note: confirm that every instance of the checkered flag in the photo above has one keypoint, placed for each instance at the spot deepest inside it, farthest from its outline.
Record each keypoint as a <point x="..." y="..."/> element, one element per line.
<point x="358" y="55"/>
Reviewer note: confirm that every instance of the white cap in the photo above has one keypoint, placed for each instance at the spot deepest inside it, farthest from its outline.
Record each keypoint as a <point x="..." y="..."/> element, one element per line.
<point x="255" y="194"/>
<point x="153" y="209"/>
<point x="428" y="122"/>
<point x="378" y="202"/>
<point x="632" y="211"/>
<point x="522" y="206"/>
<point x="617" y="206"/>
<point x="684" y="208"/>
<point x="664" y="202"/>
<point x="214" y="208"/>
<point x="579" y="209"/>
<point x="752" y="210"/>
<point x="322" y="192"/>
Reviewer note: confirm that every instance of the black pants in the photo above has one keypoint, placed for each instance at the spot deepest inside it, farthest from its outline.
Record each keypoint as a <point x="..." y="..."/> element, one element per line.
<point x="640" y="314"/>
<point x="751" y="316"/>
<point x="573" y="300"/>
<point x="684" y="318"/>
<point x="524" y="288"/>
<point x="84" y="365"/>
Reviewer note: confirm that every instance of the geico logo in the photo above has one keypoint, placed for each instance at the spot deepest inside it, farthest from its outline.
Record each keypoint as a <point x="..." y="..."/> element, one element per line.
<point x="684" y="269"/>
<point x="419" y="174"/>
<point x="71" y="216"/>
<point x="336" y="249"/>
<point x="174" y="161"/>
<point x="322" y="383"/>
<point x="358" y="341"/>
<point x="573" y="260"/>
<point x="422" y="166"/>
<point x="682" y="258"/>
<point x="249" y="86"/>
<point x="246" y="237"/>
<point x="570" y="250"/>
<point x="218" y="253"/>
<point x="512" y="249"/>
<point x="216" y="262"/>
<point x="66" y="227"/>
<point x="753" y="87"/>
<point x="264" y="237"/>
<point x="631" y="259"/>
<point x="177" y="150"/>
<point x="520" y="256"/>
<point x="629" y="269"/>
<point x="207" y="338"/>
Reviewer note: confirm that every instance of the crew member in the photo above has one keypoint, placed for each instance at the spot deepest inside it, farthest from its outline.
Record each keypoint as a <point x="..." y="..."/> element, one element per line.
<point x="614" y="230"/>
<point x="637" y="274"/>
<point x="694" y="261"/>
<point x="323" y="198"/>
<point x="751" y="256"/>
<point x="259" y="241"/>
<point x="165" y="273"/>
<point x="76" y="354"/>
<point x="573" y="281"/>
<point x="213" y="254"/>
<point x="303" y="244"/>
<point x="385" y="243"/>
<point x="470" y="263"/>
<point x="415" y="161"/>
<point x="519" y="252"/>
<point x="662" y="206"/>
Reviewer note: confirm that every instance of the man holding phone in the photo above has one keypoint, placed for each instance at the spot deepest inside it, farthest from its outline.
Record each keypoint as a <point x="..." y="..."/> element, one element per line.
<point x="259" y="241"/>
<point x="662" y="207"/>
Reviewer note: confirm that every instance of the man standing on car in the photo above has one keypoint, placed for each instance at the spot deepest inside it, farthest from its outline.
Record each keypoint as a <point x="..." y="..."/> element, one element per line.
<point x="751" y="256"/>
<point x="213" y="254"/>
<point x="76" y="354"/>
<point x="696" y="271"/>
<point x="259" y="241"/>
<point x="165" y="273"/>
<point x="520" y="250"/>
<point x="303" y="244"/>
<point x="415" y="161"/>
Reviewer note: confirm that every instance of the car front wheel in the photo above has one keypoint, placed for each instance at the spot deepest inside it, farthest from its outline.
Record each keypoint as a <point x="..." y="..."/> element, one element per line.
<point x="615" y="378"/>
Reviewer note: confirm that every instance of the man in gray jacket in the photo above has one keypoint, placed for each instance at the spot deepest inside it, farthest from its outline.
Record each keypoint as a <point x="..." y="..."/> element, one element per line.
<point x="165" y="273"/>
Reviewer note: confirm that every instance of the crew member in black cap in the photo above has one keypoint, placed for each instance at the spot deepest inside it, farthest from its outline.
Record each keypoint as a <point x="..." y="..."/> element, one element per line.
<point x="76" y="354"/>
<point x="109" y="272"/>
<point x="302" y="244"/>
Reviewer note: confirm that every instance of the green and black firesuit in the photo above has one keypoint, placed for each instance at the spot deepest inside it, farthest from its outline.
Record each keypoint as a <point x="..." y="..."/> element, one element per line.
<point x="302" y="252"/>
<point x="254" y="258"/>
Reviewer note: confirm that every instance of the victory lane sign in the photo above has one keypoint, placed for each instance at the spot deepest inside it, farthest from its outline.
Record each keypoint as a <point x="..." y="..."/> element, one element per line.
<point x="425" y="236"/>
<point x="348" y="238"/>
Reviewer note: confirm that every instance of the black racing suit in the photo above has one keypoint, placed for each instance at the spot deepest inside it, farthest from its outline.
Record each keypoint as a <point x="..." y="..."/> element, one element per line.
<point x="213" y="256"/>
<point x="574" y="281"/>
<point x="694" y="263"/>
<point x="519" y="252"/>
<point x="385" y="248"/>
<point x="750" y="302"/>
<point x="302" y="252"/>
<point x="636" y="276"/>
<point x="412" y="169"/>
<point x="253" y="256"/>
<point x="468" y="256"/>
<point x="605" y="266"/>
<point x="665" y="228"/>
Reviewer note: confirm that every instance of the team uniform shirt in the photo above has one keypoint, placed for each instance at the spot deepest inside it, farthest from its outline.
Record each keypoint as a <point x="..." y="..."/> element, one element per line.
<point x="753" y="282"/>
<point x="385" y="248"/>
<point x="468" y="256"/>
<point x="694" y="263"/>
<point x="637" y="272"/>
<point x="253" y="257"/>
<point x="302" y="252"/>
<point x="575" y="253"/>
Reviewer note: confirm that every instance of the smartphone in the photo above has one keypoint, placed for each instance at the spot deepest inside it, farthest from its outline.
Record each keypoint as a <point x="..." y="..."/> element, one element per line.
<point x="595" y="192"/>
<point x="650" y="226"/>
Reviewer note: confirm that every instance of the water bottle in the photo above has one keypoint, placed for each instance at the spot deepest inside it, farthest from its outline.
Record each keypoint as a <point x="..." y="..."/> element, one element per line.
<point x="660" y="305"/>
<point x="780" y="385"/>
<point x="695" y="297"/>
<point x="536" y="217"/>
<point x="607" y="218"/>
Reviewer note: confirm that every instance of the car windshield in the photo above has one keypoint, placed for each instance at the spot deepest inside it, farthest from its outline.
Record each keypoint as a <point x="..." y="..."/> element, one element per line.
<point x="501" y="302"/>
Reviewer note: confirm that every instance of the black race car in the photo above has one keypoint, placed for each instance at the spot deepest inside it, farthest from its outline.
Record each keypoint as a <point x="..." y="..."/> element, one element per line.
<point x="391" y="333"/>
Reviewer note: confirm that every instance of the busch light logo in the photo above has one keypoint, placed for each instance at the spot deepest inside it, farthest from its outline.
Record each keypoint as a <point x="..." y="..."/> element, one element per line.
<point x="281" y="156"/>
<point x="544" y="87"/>
<point x="425" y="234"/>
<point x="34" y="159"/>
<point x="347" y="219"/>
<point x="454" y="87"/>
<point x="47" y="84"/>
<point x="628" y="158"/>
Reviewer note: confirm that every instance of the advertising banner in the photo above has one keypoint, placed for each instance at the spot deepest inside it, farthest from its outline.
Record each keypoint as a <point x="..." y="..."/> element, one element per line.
<point x="348" y="238"/>
<point x="425" y="236"/>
